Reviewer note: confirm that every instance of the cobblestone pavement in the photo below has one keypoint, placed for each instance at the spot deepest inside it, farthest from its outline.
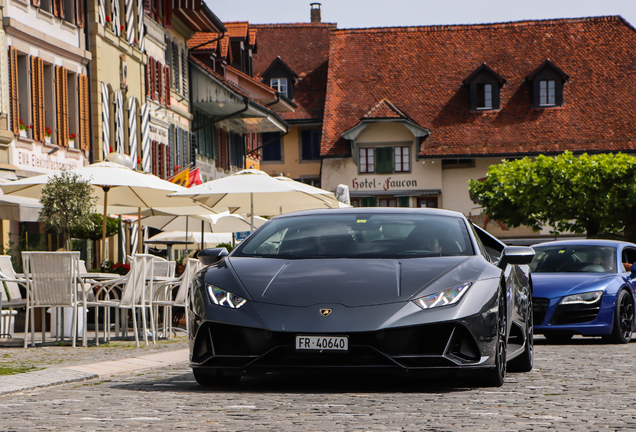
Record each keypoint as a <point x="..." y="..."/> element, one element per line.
<point x="581" y="385"/>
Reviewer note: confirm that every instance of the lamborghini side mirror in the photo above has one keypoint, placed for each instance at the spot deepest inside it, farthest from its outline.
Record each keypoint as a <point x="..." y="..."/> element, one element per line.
<point x="212" y="255"/>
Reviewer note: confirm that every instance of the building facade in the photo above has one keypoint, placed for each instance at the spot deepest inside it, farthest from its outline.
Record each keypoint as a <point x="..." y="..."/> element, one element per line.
<point x="298" y="71"/>
<point x="447" y="102"/>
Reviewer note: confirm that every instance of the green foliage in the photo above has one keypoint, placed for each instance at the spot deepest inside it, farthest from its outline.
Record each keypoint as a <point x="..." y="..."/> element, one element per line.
<point x="93" y="229"/>
<point x="227" y="246"/>
<point x="594" y="194"/>
<point x="67" y="202"/>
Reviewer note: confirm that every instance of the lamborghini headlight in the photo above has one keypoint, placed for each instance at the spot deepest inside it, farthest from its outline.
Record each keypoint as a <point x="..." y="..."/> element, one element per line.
<point x="224" y="298"/>
<point x="583" y="298"/>
<point x="443" y="298"/>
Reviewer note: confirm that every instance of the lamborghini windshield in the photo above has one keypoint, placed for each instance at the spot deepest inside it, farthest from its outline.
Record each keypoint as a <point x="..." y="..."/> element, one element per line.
<point x="363" y="235"/>
<point x="574" y="259"/>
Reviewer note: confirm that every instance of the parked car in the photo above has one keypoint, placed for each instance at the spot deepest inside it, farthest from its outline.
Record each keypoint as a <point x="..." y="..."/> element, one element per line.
<point x="584" y="287"/>
<point x="363" y="289"/>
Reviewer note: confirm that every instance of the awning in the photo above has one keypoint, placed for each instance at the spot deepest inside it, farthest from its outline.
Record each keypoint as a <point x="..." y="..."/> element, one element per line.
<point x="19" y="208"/>
<point x="237" y="111"/>
<point x="417" y="192"/>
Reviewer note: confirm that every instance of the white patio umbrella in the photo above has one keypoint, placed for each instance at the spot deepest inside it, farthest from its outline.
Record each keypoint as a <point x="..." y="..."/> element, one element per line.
<point x="113" y="185"/>
<point x="225" y="222"/>
<point x="256" y="193"/>
<point x="182" y="240"/>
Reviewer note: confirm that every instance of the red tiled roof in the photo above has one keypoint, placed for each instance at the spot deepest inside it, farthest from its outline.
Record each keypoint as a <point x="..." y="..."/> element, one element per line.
<point x="420" y="69"/>
<point x="252" y="80"/>
<point x="385" y="109"/>
<point x="237" y="28"/>
<point x="201" y="38"/>
<point x="252" y="37"/>
<point x="304" y="47"/>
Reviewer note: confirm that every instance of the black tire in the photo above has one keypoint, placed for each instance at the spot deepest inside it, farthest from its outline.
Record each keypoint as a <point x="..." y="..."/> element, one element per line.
<point x="525" y="361"/>
<point x="214" y="377"/>
<point x="623" y="319"/>
<point x="495" y="377"/>
<point x="558" y="337"/>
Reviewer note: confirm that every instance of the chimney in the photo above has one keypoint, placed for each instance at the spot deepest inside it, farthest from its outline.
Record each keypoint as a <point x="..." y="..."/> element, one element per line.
<point x="315" y="12"/>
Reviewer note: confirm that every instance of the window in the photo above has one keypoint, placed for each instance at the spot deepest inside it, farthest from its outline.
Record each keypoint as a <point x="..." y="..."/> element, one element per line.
<point x="547" y="92"/>
<point x="315" y="182"/>
<point x="272" y="147"/>
<point x="388" y="202"/>
<point x="280" y="85"/>
<point x="310" y="144"/>
<point x="484" y="96"/>
<point x="367" y="160"/>
<point x="402" y="161"/>
<point x="458" y="163"/>
<point x="384" y="162"/>
<point x="49" y="100"/>
<point x="430" y="202"/>
<point x="24" y="92"/>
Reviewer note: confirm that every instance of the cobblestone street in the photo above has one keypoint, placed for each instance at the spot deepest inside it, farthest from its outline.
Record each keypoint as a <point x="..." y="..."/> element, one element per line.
<point x="581" y="385"/>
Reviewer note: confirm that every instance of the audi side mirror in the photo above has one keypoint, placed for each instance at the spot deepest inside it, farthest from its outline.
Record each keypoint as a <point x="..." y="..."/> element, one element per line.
<point x="212" y="255"/>
<point x="516" y="255"/>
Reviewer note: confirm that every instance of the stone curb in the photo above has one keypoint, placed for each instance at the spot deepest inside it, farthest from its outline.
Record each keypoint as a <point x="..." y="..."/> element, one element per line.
<point x="57" y="376"/>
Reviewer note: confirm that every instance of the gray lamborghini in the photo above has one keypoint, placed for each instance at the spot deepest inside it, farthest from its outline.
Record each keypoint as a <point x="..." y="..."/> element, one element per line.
<point x="364" y="289"/>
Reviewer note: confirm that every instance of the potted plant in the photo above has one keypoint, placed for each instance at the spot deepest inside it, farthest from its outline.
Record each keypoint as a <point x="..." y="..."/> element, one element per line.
<point x="23" y="129"/>
<point x="47" y="135"/>
<point x="71" y="140"/>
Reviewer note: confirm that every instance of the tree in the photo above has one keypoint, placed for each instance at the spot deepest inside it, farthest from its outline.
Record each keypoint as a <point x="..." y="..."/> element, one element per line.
<point x="593" y="194"/>
<point x="94" y="229"/>
<point x="67" y="203"/>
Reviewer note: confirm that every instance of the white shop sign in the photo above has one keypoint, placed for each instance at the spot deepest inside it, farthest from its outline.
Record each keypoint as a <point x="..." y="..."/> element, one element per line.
<point x="39" y="161"/>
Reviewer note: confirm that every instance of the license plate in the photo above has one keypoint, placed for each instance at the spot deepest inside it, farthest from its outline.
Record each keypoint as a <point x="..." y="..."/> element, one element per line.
<point x="328" y="343"/>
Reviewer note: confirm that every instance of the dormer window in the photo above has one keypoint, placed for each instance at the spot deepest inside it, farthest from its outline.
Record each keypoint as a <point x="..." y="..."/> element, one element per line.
<point x="547" y="85"/>
<point x="281" y="78"/>
<point x="280" y="85"/>
<point x="484" y="85"/>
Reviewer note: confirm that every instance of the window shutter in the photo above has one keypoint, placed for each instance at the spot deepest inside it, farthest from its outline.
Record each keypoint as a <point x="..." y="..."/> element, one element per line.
<point x="404" y="201"/>
<point x="178" y="162"/>
<point x="175" y="66"/>
<point x="56" y="7"/>
<point x="13" y="90"/>
<point x="154" y="157"/>
<point x="35" y="3"/>
<point x="171" y="162"/>
<point x="148" y="88"/>
<point x="384" y="160"/>
<point x="59" y="99"/>
<point x="193" y="148"/>
<point x="159" y="85"/>
<point x="83" y="113"/>
<point x="166" y="84"/>
<point x="167" y="14"/>
<point x="151" y="63"/>
<point x="79" y="13"/>
<point x="184" y="73"/>
<point x="40" y="101"/>
<point x="34" y="99"/>
<point x="161" y="157"/>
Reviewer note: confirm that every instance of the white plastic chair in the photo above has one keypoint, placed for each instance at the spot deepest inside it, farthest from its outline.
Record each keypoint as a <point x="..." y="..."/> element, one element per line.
<point x="163" y="295"/>
<point x="53" y="280"/>
<point x="133" y="296"/>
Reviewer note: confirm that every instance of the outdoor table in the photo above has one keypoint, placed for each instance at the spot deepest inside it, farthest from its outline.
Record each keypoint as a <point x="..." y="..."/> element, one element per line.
<point x="169" y="244"/>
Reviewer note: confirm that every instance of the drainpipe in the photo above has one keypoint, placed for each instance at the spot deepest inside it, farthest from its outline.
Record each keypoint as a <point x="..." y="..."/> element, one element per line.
<point x="276" y="101"/>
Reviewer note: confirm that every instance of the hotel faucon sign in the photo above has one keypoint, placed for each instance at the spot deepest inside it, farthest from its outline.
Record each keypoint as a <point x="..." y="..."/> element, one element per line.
<point x="382" y="184"/>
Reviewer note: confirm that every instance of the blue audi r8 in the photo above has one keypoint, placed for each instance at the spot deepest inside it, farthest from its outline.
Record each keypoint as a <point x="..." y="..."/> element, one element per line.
<point x="584" y="287"/>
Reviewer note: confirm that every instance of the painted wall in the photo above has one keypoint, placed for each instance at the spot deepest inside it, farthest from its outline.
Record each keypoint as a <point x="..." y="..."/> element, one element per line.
<point x="292" y="166"/>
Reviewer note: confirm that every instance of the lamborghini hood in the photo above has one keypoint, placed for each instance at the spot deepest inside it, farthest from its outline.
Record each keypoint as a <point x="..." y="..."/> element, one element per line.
<point x="351" y="282"/>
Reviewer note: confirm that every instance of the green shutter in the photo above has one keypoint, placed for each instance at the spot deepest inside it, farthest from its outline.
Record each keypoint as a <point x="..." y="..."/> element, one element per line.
<point x="384" y="160"/>
<point x="404" y="202"/>
<point x="369" y="202"/>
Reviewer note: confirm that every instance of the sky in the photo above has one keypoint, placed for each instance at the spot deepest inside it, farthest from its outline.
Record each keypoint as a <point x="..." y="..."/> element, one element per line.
<point x="384" y="13"/>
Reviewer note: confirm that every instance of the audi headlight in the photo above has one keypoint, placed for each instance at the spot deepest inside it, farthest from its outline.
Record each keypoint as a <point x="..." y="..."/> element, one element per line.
<point x="224" y="298"/>
<point x="583" y="298"/>
<point x="442" y="298"/>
